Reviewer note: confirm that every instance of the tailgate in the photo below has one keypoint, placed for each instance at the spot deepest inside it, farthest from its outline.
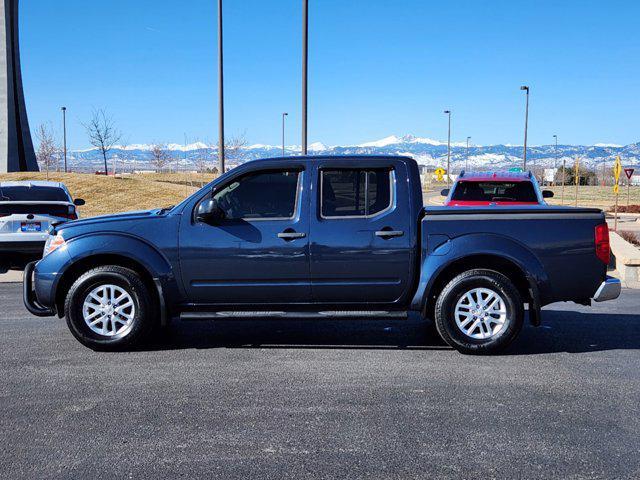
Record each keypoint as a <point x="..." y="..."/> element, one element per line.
<point x="30" y="220"/>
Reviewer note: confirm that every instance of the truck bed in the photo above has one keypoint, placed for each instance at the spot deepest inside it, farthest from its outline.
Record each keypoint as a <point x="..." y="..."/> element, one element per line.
<point x="556" y="241"/>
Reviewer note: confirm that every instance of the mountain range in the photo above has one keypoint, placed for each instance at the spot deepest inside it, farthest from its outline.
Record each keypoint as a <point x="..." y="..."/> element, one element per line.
<point x="428" y="152"/>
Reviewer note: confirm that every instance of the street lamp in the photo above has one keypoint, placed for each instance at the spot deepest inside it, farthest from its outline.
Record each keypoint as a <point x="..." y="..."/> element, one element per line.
<point x="305" y="52"/>
<point x="448" y="112"/>
<point x="555" y="160"/>
<point x="284" y="114"/>
<point x="526" y="127"/>
<point x="220" y="92"/>
<point x="64" y="136"/>
<point x="466" y="166"/>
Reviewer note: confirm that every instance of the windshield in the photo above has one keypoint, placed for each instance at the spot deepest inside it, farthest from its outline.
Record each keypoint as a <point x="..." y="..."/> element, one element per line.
<point x="33" y="194"/>
<point x="494" y="192"/>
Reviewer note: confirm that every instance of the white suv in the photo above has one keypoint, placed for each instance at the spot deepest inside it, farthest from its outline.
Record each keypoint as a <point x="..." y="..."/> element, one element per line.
<point x="27" y="209"/>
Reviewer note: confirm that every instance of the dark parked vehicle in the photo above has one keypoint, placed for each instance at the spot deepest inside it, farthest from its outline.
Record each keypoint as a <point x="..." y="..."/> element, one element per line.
<point x="320" y="237"/>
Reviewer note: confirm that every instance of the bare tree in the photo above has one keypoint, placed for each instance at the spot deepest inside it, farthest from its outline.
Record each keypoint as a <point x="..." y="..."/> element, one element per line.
<point x="233" y="147"/>
<point x="232" y="150"/>
<point x="160" y="157"/>
<point x="201" y="164"/>
<point x="122" y="156"/>
<point x="48" y="153"/>
<point x="102" y="133"/>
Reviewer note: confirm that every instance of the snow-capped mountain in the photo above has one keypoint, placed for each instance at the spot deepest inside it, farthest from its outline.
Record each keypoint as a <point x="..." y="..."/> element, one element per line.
<point x="426" y="151"/>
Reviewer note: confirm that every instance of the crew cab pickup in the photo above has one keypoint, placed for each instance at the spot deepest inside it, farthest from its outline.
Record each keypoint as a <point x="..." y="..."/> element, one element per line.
<point x="319" y="237"/>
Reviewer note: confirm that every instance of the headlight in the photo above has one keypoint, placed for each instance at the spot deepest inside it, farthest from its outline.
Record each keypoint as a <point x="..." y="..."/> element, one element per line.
<point x="53" y="243"/>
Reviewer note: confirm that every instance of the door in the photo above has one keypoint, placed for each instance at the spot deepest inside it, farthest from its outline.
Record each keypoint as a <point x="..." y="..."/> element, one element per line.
<point x="361" y="250"/>
<point x="259" y="253"/>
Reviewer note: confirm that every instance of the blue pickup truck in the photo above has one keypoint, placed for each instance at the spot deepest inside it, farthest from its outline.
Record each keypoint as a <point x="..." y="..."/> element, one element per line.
<point x="320" y="237"/>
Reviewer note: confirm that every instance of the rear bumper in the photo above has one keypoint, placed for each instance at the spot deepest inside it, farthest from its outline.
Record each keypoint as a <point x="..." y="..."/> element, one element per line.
<point x="29" y="296"/>
<point x="608" y="290"/>
<point x="26" y="247"/>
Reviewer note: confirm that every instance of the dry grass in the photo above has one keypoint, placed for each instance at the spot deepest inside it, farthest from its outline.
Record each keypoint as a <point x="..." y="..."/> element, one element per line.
<point x="628" y="209"/>
<point x="197" y="180"/>
<point x="631" y="237"/>
<point x="591" y="196"/>
<point x="106" y="195"/>
<point x="588" y="196"/>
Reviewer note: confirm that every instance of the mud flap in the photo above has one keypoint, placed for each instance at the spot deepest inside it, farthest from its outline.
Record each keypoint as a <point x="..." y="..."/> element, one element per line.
<point x="535" y="315"/>
<point x="162" y="306"/>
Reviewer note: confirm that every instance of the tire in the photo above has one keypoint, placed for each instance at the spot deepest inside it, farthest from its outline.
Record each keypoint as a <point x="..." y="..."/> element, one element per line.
<point x="493" y="330"/>
<point x="121" y="323"/>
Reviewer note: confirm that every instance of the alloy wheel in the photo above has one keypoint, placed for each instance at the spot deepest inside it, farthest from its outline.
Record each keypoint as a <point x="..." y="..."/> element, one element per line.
<point x="481" y="313"/>
<point x="109" y="310"/>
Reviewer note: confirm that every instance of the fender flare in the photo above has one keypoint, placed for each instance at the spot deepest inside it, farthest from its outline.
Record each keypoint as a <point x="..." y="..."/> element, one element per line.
<point x="127" y="246"/>
<point x="487" y="244"/>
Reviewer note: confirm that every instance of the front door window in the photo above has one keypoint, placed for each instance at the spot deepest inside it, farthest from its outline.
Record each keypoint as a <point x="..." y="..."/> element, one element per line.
<point x="260" y="196"/>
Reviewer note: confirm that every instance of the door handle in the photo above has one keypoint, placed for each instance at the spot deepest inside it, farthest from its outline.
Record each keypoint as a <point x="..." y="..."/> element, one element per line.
<point x="291" y="235"/>
<point x="389" y="233"/>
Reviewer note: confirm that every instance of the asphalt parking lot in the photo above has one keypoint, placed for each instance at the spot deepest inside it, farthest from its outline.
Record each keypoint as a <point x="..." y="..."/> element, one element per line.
<point x="307" y="399"/>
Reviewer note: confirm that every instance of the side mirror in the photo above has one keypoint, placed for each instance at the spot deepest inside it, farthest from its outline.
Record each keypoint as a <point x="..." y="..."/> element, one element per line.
<point x="444" y="192"/>
<point x="78" y="202"/>
<point x="547" y="194"/>
<point x="210" y="212"/>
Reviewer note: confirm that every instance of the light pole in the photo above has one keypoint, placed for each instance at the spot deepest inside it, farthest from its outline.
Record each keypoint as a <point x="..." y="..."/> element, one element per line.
<point x="64" y="136"/>
<point x="220" y="92"/>
<point x="555" y="160"/>
<point x="564" y="173"/>
<point x="284" y="114"/>
<point x="305" y="55"/>
<point x="448" y="112"/>
<point x="526" y="127"/>
<point x="466" y="165"/>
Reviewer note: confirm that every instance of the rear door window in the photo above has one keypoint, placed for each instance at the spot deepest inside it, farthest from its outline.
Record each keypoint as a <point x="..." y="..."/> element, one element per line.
<point x="494" y="192"/>
<point x="355" y="192"/>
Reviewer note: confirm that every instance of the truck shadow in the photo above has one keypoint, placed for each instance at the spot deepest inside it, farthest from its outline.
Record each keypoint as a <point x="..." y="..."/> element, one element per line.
<point x="304" y="333"/>
<point x="578" y="332"/>
<point x="561" y="331"/>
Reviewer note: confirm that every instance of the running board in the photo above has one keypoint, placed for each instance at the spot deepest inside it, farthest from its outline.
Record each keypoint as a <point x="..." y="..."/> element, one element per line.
<point x="292" y="315"/>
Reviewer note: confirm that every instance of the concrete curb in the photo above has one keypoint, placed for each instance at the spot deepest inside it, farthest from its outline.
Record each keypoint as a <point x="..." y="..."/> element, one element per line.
<point x="627" y="260"/>
<point x="12" y="276"/>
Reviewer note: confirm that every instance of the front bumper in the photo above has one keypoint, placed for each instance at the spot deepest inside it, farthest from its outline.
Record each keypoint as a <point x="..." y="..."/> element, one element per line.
<point x="29" y="296"/>
<point x="608" y="290"/>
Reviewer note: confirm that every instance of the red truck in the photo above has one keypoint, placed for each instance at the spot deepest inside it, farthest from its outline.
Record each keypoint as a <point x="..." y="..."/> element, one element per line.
<point x="475" y="189"/>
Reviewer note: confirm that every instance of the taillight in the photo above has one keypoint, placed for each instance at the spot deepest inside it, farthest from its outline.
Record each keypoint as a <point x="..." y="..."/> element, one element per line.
<point x="71" y="213"/>
<point x="603" y="249"/>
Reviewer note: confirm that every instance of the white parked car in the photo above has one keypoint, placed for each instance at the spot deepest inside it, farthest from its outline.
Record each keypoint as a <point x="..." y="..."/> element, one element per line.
<point x="27" y="209"/>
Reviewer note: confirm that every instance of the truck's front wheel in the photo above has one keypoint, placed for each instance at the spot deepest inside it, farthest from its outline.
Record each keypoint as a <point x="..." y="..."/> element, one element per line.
<point x="479" y="312"/>
<point x="108" y="308"/>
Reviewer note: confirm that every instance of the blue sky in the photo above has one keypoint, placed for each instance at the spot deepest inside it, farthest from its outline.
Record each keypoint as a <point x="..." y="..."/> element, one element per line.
<point x="376" y="68"/>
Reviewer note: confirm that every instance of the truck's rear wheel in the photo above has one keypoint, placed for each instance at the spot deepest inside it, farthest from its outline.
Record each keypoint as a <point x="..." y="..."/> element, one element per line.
<point x="479" y="312"/>
<point x="109" y="308"/>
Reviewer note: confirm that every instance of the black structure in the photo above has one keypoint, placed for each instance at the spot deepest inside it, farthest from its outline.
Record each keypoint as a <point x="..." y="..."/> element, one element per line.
<point x="16" y="147"/>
